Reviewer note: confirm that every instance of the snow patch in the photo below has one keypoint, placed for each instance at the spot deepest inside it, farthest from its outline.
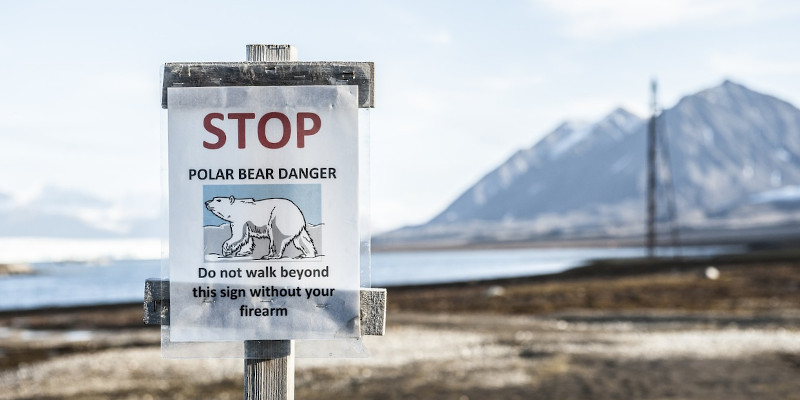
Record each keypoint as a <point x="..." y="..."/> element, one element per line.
<point x="574" y="137"/>
<point x="784" y="194"/>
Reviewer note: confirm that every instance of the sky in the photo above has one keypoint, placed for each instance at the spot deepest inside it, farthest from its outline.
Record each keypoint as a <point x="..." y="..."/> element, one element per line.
<point x="460" y="86"/>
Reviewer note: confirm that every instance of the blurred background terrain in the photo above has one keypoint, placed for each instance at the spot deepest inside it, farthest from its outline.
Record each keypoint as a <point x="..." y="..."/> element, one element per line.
<point x="508" y="196"/>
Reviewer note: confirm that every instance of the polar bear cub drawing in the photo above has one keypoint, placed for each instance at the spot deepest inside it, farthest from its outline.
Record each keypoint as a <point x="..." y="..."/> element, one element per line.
<point x="278" y="220"/>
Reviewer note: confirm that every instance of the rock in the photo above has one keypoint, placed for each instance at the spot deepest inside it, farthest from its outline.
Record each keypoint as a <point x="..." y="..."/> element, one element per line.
<point x="15" y="269"/>
<point x="711" y="272"/>
<point x="495" y="291"/>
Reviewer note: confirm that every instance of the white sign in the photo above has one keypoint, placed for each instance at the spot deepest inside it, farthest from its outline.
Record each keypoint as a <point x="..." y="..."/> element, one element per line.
<point x="263" y="213"/>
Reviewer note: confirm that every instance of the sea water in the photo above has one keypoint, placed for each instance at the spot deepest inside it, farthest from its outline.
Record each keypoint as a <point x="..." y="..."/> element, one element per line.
<point x="64" y="284"/>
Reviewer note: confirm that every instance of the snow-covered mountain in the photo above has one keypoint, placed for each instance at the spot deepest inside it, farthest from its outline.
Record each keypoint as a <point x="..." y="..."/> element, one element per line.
<point x="556" y="175"/>
<point x="731" y="147"/>
<point x="735" y="162"/>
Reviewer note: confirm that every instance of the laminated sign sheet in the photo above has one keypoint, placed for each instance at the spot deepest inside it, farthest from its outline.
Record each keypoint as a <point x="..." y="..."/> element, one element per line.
<point x="263" y="213"/>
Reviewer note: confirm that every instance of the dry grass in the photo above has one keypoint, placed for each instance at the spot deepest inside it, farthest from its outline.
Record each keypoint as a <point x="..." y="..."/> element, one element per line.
<point x="740" y="289"/>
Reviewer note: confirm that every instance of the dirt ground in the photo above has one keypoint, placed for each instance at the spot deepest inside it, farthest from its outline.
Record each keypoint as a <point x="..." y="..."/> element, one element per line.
<point x="614" y="331"/>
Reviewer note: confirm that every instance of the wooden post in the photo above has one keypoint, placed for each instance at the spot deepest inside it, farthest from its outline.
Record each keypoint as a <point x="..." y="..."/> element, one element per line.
<point x="271" y="52"/>
<point x="268" y="369"/>
<point x="269" y="364"/>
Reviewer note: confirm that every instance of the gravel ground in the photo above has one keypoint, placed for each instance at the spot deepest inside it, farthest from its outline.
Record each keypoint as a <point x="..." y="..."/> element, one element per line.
<point x="445" y="356"/>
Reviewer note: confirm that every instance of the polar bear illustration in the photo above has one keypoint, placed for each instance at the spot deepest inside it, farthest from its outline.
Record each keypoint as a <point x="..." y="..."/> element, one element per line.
<point x="278" y="220"/>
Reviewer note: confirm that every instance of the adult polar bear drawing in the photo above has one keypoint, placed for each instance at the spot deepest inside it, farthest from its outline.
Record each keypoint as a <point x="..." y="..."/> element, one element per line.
<point x="278" y="220"/>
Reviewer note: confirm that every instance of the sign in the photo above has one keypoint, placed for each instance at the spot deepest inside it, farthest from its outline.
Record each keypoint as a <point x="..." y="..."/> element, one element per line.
<point x="263" y="213"/>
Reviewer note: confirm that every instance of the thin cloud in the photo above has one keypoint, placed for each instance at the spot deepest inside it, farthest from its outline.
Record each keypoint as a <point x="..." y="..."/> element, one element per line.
<point x="505" y="83"/>
<point x="743" y="64"/>
<point x="442" y="37"/>
<point x="614" y="18"/>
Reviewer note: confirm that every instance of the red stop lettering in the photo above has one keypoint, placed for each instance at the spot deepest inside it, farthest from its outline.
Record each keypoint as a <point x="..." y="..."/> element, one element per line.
<point x="302" y="132"/>
<point x="242" y="118"/>
<point x="262" y="130"/>
<point x="219" y="133"/>
<point x="308" y="124"/>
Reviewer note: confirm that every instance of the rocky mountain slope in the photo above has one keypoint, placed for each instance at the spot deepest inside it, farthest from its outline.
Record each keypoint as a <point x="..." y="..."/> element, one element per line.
<point x="733" y="156"/>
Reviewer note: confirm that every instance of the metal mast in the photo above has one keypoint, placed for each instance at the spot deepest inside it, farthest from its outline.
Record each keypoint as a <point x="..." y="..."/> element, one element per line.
<point x="651" y="172"/>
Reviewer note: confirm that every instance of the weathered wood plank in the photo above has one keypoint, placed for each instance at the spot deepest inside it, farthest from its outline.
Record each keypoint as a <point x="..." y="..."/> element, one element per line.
<point x="373" y="307"/>
<point x="271" y="52"/>
<point x="280" y="73"/>
<point x="373" y="311"/>
<point x="269" y="370"/>
<point x="156" y="302"/>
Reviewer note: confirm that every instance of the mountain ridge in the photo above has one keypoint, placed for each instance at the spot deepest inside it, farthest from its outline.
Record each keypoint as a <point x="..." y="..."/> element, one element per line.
<point x="727" y="144"/>
<point x="58" y="212"/>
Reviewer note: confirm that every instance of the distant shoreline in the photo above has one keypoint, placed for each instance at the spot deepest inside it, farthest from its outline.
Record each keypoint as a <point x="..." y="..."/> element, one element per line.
<point x="596" y="269"/>
<point x="771" y="237"/>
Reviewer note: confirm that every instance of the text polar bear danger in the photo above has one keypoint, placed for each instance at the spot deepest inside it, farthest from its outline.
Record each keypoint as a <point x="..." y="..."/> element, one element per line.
<point x="276" y="219"/>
